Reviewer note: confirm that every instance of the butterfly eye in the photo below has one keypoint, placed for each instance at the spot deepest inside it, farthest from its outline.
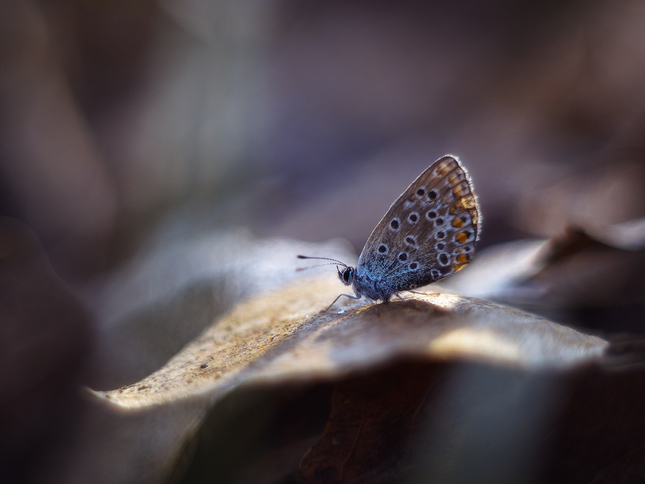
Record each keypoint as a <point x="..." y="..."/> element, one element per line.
<point x="347" y="276"/>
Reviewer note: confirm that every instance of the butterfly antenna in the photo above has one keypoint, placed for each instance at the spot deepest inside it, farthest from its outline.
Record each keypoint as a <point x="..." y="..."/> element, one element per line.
<point x="335" y="262"/>
<point x="298" y="269"/>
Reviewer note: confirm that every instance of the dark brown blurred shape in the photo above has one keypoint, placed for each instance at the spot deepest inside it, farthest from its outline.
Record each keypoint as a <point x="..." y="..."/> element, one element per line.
<point x="44" y="338"/>
<point x="418" y="422"/>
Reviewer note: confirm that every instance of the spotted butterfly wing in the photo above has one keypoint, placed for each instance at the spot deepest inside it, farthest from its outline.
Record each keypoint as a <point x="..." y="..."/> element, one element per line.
<point x="428" y="233"/>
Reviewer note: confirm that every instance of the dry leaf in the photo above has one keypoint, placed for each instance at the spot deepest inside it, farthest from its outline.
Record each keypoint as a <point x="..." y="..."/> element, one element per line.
<point x="283" y="338"/>
<point x="275" y="337"/>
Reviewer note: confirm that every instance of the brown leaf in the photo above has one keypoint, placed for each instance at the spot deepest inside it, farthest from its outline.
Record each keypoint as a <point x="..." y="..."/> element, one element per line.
<point x="598" y="266"/>
<point x="284" y="338"/>
<point x="278" y="337"/>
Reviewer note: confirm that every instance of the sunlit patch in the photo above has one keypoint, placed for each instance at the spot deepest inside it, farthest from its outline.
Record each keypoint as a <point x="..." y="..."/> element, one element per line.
<point x="475" y="343"/>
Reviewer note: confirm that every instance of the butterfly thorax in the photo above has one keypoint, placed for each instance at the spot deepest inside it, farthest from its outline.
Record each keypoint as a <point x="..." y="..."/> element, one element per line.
<point x="363" y="284"/>
<point x="372" y="287"/>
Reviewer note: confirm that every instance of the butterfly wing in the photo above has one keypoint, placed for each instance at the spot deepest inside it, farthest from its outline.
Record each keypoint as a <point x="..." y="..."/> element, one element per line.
<point x="427" y="234"/>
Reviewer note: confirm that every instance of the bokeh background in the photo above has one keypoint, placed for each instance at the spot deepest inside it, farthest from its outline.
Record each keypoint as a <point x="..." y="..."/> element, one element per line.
<point x="306" y="121"/>
<point x="131" y="125"/>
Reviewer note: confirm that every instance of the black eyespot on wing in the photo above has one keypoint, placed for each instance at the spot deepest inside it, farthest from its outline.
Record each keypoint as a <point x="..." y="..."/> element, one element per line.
<point x="413" y="266"/>
<point x="440" y="246"/>
<point x="440" y="235"/>
<point x="382" y="249"/>
<point x="411" y="240"/>
<point x="432" y="194"/>
<point x="413" y="218"/>
<point x="431" y="215"/>
<point x="421" y="192"/>
<point x="439" y="221"/>
<point x="403" y="256"/>
<point x="394" y="224"/>
<point x="443" y="258"/>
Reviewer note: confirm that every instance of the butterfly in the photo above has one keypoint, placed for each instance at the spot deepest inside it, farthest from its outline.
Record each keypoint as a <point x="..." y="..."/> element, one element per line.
<point x="428" y="233"/>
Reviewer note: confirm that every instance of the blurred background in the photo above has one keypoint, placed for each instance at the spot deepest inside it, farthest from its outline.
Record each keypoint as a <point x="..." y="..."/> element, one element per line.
<point x="306" y="121"/>
<point x="126" y="126"/>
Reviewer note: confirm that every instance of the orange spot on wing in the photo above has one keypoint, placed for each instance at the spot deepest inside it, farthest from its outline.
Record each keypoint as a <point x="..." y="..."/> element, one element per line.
<point x="461" y="237"/>
<point x="460" y="191"/>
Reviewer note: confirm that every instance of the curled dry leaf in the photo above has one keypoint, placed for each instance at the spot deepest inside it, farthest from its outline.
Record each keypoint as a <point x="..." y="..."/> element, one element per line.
<point x="279" y="337"/>
<point x="284" y="338"/>
<point x="591" y="267"/>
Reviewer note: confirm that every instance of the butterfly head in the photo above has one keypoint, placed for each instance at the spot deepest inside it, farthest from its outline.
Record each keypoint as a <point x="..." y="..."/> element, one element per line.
<point x="346" y="276"/>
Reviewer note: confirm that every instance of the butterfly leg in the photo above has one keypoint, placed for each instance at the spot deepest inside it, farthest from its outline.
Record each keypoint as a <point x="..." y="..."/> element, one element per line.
<point x="351" y="296"/>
